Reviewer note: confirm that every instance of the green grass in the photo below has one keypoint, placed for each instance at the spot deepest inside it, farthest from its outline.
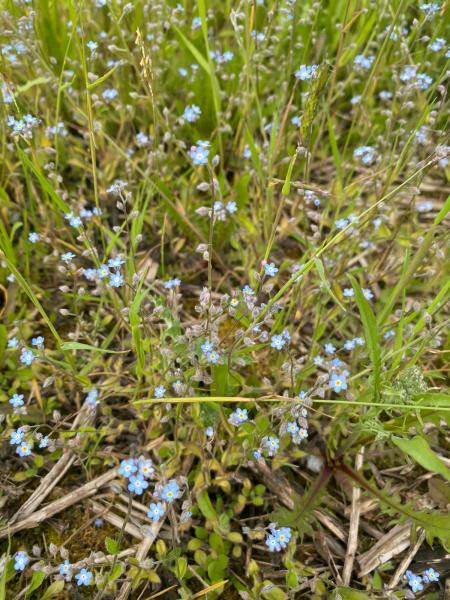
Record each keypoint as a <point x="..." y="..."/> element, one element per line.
<point x="331" y="223"/>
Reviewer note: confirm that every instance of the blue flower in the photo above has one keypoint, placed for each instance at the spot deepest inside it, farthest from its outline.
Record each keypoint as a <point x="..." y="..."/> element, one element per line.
<point x="306" y="72"/>
<point x="424" y="81"/>
<point x="231" y="207"/>
<point x="292" y="427"/>
<point x="13" y="342"/>
<point x="44" y="442"/>
<point x="273" y="544"/>
<point x="116" y="262"/>
<point x="16" y="400"/>
<point x="116" y="280"/>
<point x="207" y="347"/>
<point x="110" y="94"/>
<point x="65" y="568"/>
<point x="27" y="357"/>
<point x="368" y="294"/>
<point x="170" y="283"/>
<point x="283" y="535"/>
<point x="156" y="511"/>
<point x="363" y="62"/>
<point x="430" y="7"/>
<point x="349" y="292"/>
<point x="37" y="341"/>
<point x="21" y="560"/>
<point x="145" y="467"/>
<point x="414" y="581"/>
<point x="240" y="415"/>
<point x="248" y="291"/>
<point x="160" y="391"/>
<point x="67" y="257"/>
<point x="199" y="154"/>
<point x="170" y="491"/>
<point x="430" y="575"/>
<point x="192" y="113"/>
<point x="341" y="223"/>
<point x="92" y="397"/>
<point x="196" y="22"/>
<point x="212" y="357"/>
<point x="272" y="444"/>
<point x="277" y="342"/>
<point x="137" y="484"/>
<point x="389" y="334"/>
<point x="349" y="345"/>
<point x="127" y="467"/>
<point x="90" y="274"/>
<point x="365" y="153"/>
<point x="74" y="220"/>
<point x="117" y="187"/>
<point x="329" y="348"/>
<point x="270" y="269"/>
<point x="103" y="271"/>
<point x="84" y="577"/>
<point x="16" y="436"/>
<point x="338" y="382"/>
<point x="24" y="449"/>
<point x="437" y="44"/>
<point x="34" y="237"/>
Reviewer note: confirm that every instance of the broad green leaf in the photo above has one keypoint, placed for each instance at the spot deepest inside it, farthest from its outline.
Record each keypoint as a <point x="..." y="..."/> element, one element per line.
<point x="112" y="545"/>
<point x="217" y="568"/>
<point x="53" y="590"/>
<point x="206" y="507"/>
<point x="419" y="449"/>
<point x="116" y="572"/>
<point x="36" y="581"/>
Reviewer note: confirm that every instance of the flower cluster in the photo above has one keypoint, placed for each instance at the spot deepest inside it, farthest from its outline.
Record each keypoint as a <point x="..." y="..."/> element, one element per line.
<point x="278" y="539"/>
<point x="212" y="356"/>
<point x="23" y="127"/>
<point x="306" y="72"/>
<point x="199" y="153"/>
<point x="416" y="582"/>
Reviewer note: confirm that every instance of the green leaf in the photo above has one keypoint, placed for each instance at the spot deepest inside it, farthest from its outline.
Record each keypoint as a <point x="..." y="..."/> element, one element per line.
<point x="112" y="545"/>
<point x="181" y="568"/>
<point x="349" y="594"/>
<point x="287" y="182"/>
<point x="420" y="451"/>
<point x="371" y="335"/>
<point x="206" y="507"/>
<point x="102" y="79"/>
<point x="80" y="346"/>
<point x="217" y="567"/>
<point x="116" y="572"/>
<point x="36" y="581"/>
<point x="57" y="200"/>
<point x="32" y="83"/>
<point x="323" y="278"/>
<point x="55" y="588"/>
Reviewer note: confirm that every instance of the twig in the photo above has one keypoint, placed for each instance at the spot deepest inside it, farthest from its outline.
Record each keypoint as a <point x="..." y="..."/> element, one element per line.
<point x="141" y="553"/>
<point x="354" y="525"/>
<point x="406" y="562"/>
<point x="116" y="520"/>
<point x="85" y="417"/>
<point x="86" y="490"/>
